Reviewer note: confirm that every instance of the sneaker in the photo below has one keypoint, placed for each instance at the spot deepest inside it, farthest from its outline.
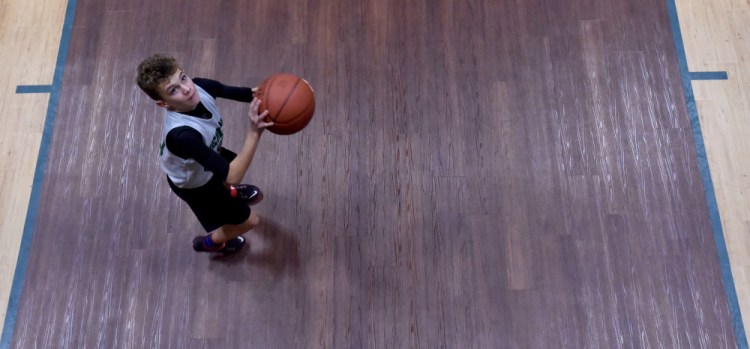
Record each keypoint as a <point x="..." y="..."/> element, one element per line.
<point x="199" y="246"/>
<point x="233" y="245"/>
<point x="250" y="194"/>
<point x="226" y="248"/>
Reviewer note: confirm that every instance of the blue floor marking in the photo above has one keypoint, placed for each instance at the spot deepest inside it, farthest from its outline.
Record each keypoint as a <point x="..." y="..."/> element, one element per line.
<point x="713" y="207"/>
<point x="29" y="225"/>
<point x="34" y="89"/>
<point x="711" y="75"/>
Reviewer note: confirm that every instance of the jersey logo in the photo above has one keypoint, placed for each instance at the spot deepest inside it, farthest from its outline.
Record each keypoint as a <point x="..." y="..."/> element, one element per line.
<point x="218" y="137"/>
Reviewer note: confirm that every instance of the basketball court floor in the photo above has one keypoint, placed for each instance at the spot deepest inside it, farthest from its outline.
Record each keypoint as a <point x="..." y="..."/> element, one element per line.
<point x="478" y="174"/>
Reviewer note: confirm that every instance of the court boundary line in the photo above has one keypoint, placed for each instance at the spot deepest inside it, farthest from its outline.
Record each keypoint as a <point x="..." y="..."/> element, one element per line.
<point x="687" y="78"/>
<point x="31" y="213"/>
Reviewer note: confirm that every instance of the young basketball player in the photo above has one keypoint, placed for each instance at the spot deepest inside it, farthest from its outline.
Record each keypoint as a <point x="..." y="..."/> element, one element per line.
<point x="199" y="170"/>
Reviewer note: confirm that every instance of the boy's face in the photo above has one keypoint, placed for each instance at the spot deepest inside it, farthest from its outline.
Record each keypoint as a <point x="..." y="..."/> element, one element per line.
<point x="178" y="93"/>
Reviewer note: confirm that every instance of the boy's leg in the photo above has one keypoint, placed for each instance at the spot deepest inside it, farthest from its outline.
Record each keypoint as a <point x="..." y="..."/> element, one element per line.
<point x="227" y="239"/>
<point x="231" y="231"/>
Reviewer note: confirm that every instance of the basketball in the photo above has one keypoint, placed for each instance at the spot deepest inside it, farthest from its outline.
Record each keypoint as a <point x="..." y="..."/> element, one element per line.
<point x="290" y="102"/>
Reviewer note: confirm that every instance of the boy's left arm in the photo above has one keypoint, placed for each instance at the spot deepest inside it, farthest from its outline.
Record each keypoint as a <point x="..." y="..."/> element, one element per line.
<point x="219" y="90"/>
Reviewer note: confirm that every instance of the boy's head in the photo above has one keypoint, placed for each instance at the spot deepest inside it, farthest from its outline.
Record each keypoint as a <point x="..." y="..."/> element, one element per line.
<point x="154" y="71"/>
<point x="162" y="79"/>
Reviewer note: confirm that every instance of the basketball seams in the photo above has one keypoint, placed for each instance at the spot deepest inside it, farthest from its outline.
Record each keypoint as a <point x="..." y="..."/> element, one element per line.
<point x="288" y="96"/>
<point x="308" y="110"/>
<point x="263" y="96"/>
<point x="267" y="96"/>
<point x="281" y="98"/>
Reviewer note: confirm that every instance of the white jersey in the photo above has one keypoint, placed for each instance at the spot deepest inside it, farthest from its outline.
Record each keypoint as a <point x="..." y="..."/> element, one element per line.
<point x="188" y="173"/>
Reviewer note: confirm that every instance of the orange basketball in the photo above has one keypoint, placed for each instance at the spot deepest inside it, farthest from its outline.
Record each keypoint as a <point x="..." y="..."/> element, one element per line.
<point x="290" y="102"/>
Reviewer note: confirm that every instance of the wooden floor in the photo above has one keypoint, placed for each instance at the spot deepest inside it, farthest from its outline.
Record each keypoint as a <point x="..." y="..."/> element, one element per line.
<point x="479" y="174"/>
<point x="30" y="34"/>
<point x="723" y="107"/>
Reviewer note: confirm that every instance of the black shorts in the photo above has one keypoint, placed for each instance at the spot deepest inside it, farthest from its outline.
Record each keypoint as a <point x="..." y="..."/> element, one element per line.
<point x="212" y="204"/>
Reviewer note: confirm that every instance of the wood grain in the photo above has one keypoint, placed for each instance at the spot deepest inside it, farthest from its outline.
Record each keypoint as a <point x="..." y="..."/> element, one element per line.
<point x="477" y="174"/>
<point x="29" y="35"/>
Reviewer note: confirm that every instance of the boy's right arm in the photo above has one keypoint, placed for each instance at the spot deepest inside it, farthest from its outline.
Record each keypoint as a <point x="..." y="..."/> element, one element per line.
<point x="238" y="167"/>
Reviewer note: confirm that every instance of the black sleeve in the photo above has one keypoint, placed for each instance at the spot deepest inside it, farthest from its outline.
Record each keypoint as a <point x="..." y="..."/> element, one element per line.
<point x="187" y="143"/>
<point x="219" y="90"/>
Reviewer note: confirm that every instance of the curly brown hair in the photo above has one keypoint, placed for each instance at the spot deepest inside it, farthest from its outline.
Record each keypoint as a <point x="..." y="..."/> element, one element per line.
<point x="155" y="70"/>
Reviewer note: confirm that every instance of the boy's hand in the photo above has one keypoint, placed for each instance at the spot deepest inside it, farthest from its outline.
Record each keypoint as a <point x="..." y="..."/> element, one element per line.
<point x="256" y="120"/>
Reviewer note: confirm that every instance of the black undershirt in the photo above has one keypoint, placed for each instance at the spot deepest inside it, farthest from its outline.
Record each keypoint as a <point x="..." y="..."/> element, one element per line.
<point x="187" y="143"/>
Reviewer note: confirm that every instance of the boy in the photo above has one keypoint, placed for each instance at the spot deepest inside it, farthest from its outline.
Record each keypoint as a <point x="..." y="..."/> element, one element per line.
<point x="199" y="170"/>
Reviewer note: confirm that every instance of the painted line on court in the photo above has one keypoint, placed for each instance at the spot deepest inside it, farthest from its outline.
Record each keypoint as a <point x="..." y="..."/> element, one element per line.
<point x="34" y="89"/>
<point x="31" y="212"/>
<point x="713" y="208"/>
<point x="709" y="75"/>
